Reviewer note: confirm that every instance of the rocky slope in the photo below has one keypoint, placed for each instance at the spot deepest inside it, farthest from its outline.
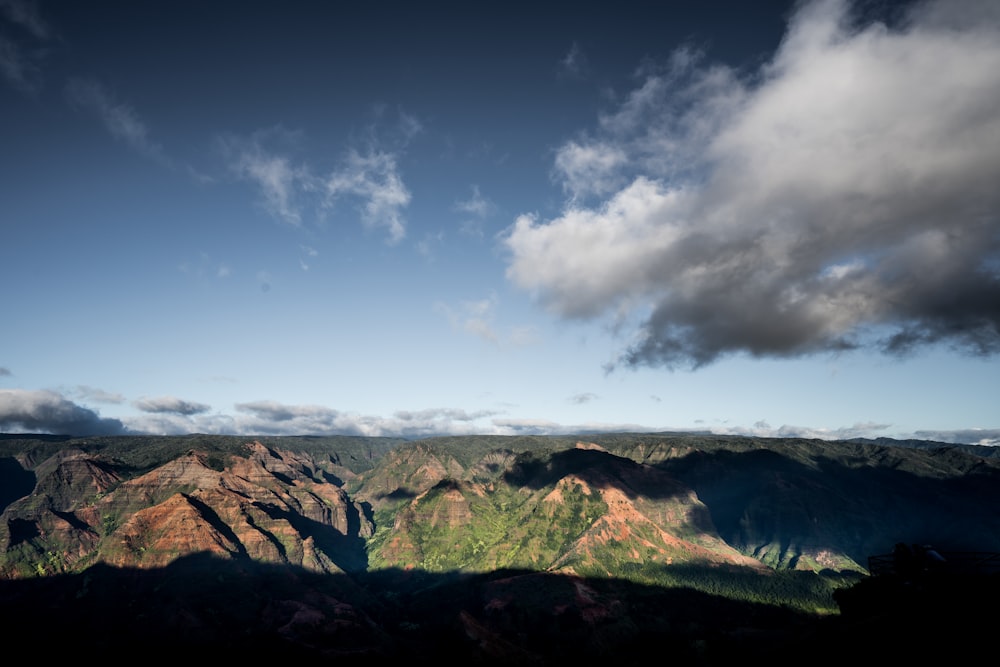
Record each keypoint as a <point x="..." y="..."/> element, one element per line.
<point x="266" y="505"/>
<point x="525" y="550"/>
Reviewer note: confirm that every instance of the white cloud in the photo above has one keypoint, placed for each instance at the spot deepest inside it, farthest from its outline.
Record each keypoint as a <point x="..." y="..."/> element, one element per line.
<point x="589" y="168"/>
<point x="844" y="195"/>
<point x="374" y="178"/>
<point x="282" y="183"/>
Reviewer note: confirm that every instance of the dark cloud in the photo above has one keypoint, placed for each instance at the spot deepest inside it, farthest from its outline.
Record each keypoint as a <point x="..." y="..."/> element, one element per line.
<point x="843" y="196"/>
<point x="274" y="411"/>
<point x="171" y="405"/>
<point x="5" y="372"/>
<point x="48" y="412"/>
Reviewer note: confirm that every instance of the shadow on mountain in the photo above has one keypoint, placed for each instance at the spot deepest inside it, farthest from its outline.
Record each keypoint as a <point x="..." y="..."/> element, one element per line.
<point x="15" y="481"/>
<point x="348" y="551"/>
<point x="597" y="468"/>
<point x="761" y="498"/>
<point x="209" y="608"/>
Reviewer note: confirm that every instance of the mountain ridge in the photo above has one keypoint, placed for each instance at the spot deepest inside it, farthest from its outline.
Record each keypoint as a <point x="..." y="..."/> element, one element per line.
<point x="530" y="549"/>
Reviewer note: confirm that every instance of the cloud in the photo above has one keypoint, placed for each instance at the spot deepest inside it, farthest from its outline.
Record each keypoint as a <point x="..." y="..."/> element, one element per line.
<point x="274" y="418"/>
<point x="119" y="119"/>
<point x="479" y="319"/>
<point x="19" y="68"/>
<point x="5" y="372"/>
<point x="476" y="205"/>
<point x="274" y="411"/>
<point x="372" y="177"/>
<point x="970" y="436"/>
<point x="20" y="64"/>
<point x="589" y="168"/>
<point x="170" y="405"/>
<point x="25" y="14"/>
<point x="842" y="196"/>
<point x="25" y="411"/>
<point x="580" y="399"/>
<point x="88" y="393"/>
<point x="206" y="266"/>
<point x="294" y="190"/>
<point x="475" y="210"/>
<point x="474" y="317"/>
<point x="574" y="64"/>
<point x="545" y="427"/>
<point x="762" y="429"/>
<point x="282" y="183"/>
<point x="436" y="414"/>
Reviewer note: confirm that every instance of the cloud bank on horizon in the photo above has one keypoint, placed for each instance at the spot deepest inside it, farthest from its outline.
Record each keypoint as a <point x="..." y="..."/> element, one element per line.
<point x="845" y="195"/>
<point x="23" y="411"/>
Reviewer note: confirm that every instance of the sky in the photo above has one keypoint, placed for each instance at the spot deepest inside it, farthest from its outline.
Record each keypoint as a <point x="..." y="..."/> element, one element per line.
<point x="415" y="219"/>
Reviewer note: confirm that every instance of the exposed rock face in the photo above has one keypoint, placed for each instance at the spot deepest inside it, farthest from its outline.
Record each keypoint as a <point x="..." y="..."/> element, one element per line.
<point x="268" y="506"/>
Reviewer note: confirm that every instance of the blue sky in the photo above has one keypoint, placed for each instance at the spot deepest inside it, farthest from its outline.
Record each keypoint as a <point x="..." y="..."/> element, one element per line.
<point x="425" y="218"/>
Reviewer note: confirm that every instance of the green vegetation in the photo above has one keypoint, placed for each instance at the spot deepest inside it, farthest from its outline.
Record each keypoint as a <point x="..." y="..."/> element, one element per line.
<point x="809" y="510"/>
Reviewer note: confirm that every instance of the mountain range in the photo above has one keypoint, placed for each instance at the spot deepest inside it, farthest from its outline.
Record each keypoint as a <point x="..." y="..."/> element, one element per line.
<point x="534" y="550"/>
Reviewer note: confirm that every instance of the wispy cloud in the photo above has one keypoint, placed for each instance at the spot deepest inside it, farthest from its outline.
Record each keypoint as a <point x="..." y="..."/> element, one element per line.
<point x="120" y="119"/>
<point x="283" y="184"/>
<point x="478" y="318"/>
<point x="474" y="317"/>
<point x="5" y="372"/>
<point x="574" y="64"/>
<point x="475" y="210"/>
<point x="88" y="393"/>
<point x="585" y="397"/>
<point x="20" y="58"/>
<point x="26" y="411"/>
<point x="374" y="179"/>
<point x="206" y="266"/>
<point x="842" y="196"/>
<point x="308" y="253"/>
<point x="20" y="70"/>
<point x="25" y="14"/>
<point x="292" y="191"/>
